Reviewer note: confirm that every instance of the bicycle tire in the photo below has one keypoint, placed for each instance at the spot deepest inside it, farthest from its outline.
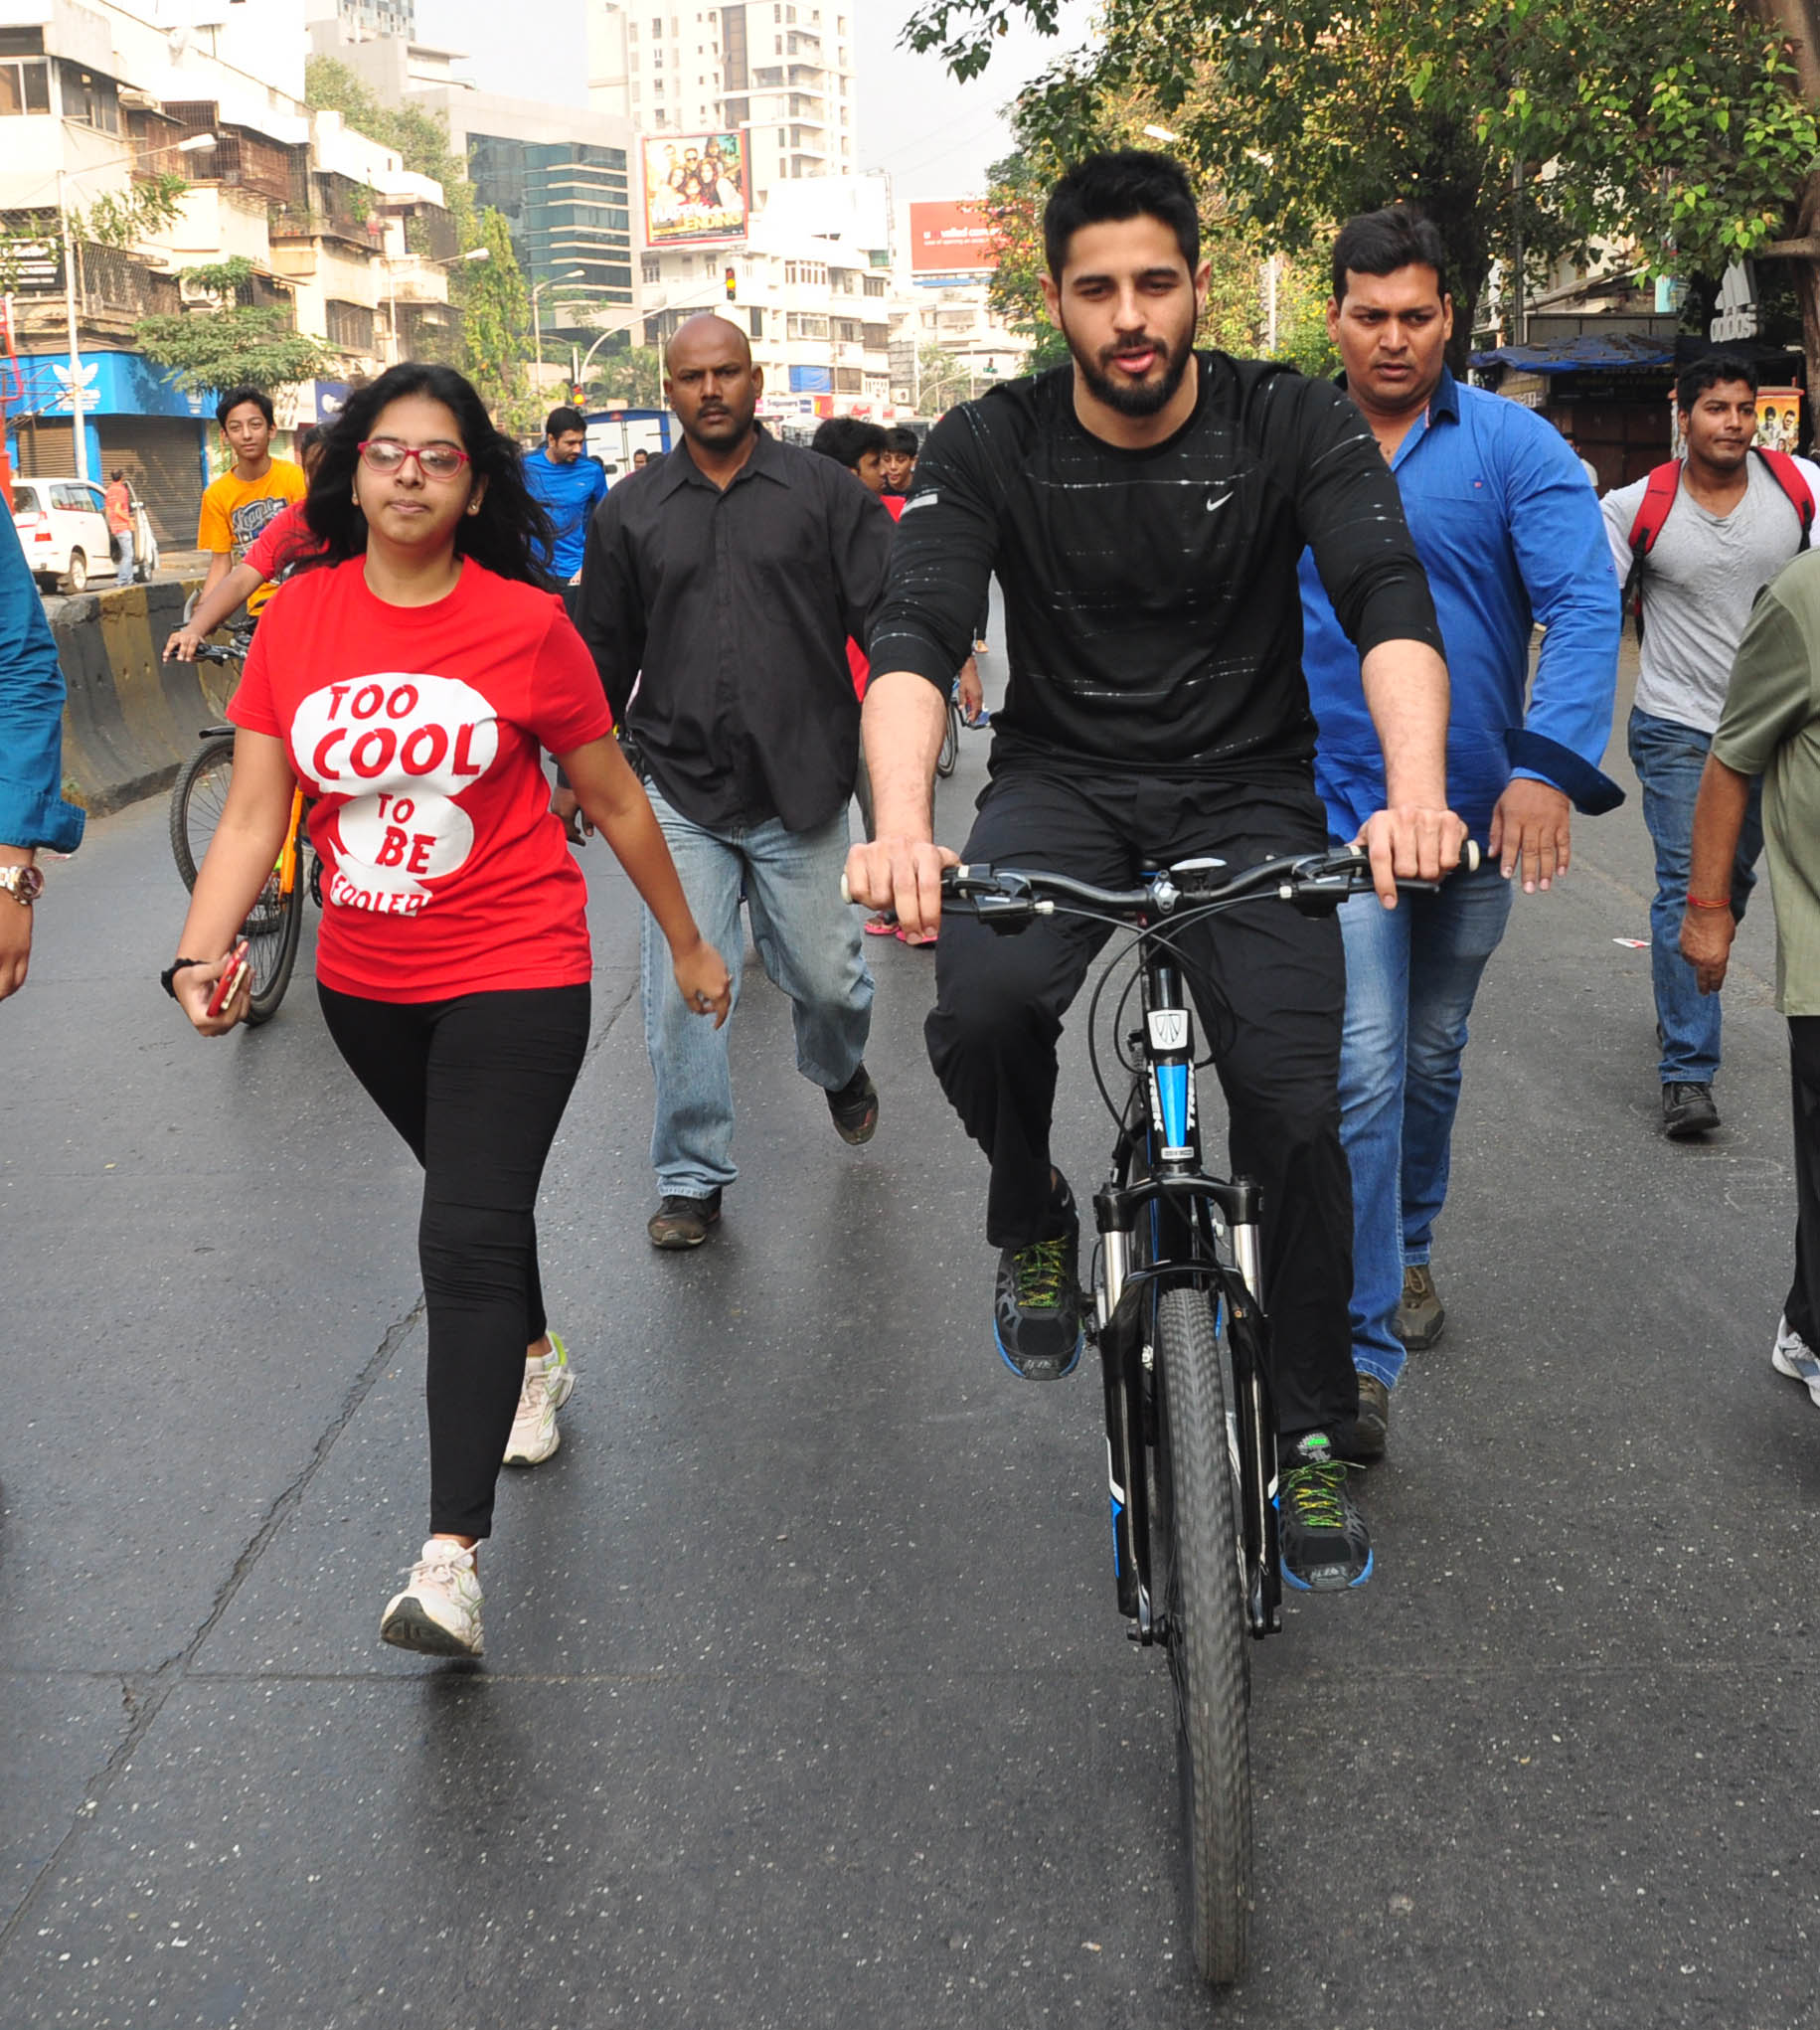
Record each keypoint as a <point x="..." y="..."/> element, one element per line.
<point x="1195" y="1557"/>
<point x="950" y="743"/>
<point x="197" y="797"/>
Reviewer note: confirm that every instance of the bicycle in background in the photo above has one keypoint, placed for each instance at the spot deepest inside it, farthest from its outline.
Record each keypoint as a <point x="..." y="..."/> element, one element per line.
<point x="275" y="930"/>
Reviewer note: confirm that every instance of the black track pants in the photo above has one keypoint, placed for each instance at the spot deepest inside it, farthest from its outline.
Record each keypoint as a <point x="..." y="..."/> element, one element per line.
<point x="1270" y="985"/>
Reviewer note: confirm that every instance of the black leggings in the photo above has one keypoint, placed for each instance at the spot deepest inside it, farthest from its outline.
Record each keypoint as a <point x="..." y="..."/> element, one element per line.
<point x="476" y="1085"/>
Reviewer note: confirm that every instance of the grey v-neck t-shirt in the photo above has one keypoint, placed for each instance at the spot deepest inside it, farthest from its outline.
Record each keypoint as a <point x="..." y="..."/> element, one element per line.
<point x="1699" y="586"/>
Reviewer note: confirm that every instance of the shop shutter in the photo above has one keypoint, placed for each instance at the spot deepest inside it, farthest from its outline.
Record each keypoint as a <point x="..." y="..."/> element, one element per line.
<point x="44" y="449"/>
<point x="161" y="456"/>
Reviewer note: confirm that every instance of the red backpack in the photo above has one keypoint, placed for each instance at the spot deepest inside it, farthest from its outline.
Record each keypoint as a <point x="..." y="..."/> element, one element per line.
<point x="1663" y="490"/>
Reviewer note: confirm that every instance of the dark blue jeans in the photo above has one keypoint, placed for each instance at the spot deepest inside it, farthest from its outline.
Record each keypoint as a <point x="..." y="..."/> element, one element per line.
<point x="1669" y="760"/>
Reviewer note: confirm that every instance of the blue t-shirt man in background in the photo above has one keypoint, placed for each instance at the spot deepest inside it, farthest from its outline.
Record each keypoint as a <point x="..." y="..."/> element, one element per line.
<point x="1508" y="530"/>
<point x="569" y="485"/>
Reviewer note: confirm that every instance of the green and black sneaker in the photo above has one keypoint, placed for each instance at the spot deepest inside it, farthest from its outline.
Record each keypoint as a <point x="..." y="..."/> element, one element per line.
<point x="1036" y="1319"/>
<point x="1325" y="1544"/>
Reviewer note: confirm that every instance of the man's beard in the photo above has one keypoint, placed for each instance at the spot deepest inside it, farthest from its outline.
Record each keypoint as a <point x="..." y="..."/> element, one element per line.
<point x="1136" y="398"/>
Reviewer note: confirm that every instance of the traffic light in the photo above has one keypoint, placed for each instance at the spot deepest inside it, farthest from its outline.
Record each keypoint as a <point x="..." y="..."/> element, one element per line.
<point x="730" y="277"/>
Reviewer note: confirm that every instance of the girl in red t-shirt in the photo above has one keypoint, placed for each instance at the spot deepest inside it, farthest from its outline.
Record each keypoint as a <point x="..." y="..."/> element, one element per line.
<point x="407" y="677"/>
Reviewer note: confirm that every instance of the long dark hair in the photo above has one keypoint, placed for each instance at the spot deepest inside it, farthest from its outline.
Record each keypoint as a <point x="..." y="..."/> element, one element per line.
<point x="510" y="528"/>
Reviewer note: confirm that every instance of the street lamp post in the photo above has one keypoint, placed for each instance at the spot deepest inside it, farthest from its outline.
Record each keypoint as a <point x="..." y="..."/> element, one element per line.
<point x="574" y="274"/>
<point x="193" y="144"/>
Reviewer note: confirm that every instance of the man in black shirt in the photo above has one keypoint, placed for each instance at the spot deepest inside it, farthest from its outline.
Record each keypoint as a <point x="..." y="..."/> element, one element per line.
<point x="1144" y="509"/>
<point x="724" y="583"/>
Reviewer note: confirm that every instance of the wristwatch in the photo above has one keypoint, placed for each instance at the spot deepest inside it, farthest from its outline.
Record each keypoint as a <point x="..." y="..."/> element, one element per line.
<point x="24" y="883"/>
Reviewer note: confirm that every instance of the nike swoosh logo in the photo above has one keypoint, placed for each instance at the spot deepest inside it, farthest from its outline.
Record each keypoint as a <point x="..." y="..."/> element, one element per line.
<point x="1220" y="504"/>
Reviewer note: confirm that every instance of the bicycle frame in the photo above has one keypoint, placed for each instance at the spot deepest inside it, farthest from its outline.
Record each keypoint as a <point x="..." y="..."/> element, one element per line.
<point x="1157" y="1226"/>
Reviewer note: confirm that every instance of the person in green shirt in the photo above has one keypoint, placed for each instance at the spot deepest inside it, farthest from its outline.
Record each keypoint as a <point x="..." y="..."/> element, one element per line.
<point x="1771" y="727"/>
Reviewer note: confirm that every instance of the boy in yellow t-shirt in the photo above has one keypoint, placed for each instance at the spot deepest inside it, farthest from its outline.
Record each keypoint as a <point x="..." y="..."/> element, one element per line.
<point x="240" y="503"/>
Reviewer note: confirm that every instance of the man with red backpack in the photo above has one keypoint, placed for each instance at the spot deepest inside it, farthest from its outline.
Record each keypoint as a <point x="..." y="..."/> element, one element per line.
<point x="1696" y="542"/>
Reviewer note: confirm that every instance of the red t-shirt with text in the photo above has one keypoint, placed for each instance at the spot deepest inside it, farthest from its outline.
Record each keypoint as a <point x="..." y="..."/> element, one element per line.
<point x="418" y="730"/>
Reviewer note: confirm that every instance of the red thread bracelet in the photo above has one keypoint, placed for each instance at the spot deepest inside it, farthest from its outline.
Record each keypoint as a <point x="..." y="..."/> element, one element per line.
<point x="1694" y="903"/>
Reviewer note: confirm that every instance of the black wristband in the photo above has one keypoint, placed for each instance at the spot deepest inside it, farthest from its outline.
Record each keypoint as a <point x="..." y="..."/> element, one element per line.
<point x="168" y="977"/>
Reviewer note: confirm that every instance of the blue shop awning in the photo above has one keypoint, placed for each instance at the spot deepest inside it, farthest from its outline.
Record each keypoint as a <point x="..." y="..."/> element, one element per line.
<point x="1584" y="355"/>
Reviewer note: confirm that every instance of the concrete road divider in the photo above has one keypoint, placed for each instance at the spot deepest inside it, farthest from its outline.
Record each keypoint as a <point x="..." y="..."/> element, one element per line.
<point x="130" y="719"/>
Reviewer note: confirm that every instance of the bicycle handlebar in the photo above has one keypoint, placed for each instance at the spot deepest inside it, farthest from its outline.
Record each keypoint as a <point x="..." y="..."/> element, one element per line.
<point x="1307" y="877"/>
<point x="1009" y="892"/>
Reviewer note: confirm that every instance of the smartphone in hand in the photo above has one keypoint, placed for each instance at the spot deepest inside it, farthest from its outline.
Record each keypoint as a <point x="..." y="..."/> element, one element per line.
<point x="233" y="976"/>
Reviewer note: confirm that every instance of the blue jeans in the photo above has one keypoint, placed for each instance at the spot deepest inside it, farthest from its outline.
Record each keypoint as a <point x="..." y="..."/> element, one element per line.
<point x="1669" y="760"/>
<point x="808" y="940"/>
<point x="124" y="571"/>
<point x="1410" y="975"/>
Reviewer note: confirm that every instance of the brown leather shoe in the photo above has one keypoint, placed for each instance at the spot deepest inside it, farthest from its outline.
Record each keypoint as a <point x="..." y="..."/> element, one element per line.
<point x="1372" y="1431"/>
<point x="684" y="1222"/>
<point x="1420" y="1317"/>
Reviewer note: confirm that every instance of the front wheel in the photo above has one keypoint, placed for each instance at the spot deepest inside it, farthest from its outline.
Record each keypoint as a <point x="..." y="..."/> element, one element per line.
<point x="272" y="933"/>
<point x="1196" y="1560"/>
<point x="950" y="743"/>
<point x="198" y="798"/>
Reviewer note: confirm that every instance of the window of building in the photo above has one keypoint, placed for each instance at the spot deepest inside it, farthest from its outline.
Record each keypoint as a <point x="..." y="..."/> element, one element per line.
<point x="25" y="87"/>
<point x="350" y="326"/>
<point x="874" y="285"/>
<point x="657" y="59"/>
<point x="90" y="98"/>
<point x="652" y="267"/>
<point x="657" y="26"/>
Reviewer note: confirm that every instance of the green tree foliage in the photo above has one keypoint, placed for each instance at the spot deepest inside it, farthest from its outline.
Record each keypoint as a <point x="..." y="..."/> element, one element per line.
<point x="496" y="325"/>
<point x="419" y="135"/>
<point x="1236" y="317"/>
<point x="149" y="206"/>
<point x="634" y="375"/>
<point x="233" y="344"/>
<point x="1676" y="124"/>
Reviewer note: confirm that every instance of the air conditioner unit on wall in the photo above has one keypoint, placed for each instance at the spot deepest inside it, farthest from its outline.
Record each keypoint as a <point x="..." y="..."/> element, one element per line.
<point x="190" y="291"/>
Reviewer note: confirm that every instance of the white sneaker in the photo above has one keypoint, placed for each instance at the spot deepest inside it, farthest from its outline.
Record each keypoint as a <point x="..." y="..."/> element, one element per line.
<point x="548" y="1384"/>
<point x="439" y="1612"/>
<point x="1793" y="1357"/>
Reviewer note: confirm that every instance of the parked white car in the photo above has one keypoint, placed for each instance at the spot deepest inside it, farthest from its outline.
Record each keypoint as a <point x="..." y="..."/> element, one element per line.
<point x="62" y="530"/>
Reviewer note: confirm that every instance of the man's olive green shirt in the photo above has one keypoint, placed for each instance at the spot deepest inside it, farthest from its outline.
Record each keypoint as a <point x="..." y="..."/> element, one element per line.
<point x="1771" y="727"/>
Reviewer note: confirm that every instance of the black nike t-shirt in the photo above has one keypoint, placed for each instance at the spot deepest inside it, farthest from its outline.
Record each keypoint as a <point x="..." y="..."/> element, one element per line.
<point x="1152" y="612"/>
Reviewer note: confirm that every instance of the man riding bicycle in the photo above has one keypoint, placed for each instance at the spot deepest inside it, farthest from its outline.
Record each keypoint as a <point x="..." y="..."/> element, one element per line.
<point x="1144" y="509"/>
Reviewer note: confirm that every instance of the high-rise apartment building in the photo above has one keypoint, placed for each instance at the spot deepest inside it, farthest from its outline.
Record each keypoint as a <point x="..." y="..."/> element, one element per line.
<point x="781" y="70"/>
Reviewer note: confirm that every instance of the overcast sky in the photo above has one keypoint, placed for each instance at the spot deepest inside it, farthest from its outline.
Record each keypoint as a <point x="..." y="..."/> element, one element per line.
<point x="935" y="136"/>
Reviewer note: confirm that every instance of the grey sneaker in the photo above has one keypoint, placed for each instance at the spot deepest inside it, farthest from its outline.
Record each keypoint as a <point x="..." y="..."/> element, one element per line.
<point x="1372" y="1431"/>
<point x="1792" y="1356"/>
<point x="1420" y="1317"/>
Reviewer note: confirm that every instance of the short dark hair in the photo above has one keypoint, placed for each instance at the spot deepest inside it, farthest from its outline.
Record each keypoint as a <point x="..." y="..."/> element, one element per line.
<point x="1124" y="183"/>
<point x="1708" y="372"/>
<point x="116" y="473"/>
<point x="846" y="439"/>
<point x="900" y="437"/>
<point x="510" y="531"/>
<point x="233" y="398"/>
<point x="1379" y="243"/>
<point x="560" y="421"/>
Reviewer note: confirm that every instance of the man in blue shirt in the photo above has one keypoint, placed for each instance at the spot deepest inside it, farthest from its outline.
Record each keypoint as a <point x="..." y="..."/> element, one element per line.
<point x="569" y="485"/>
<point x="32" y="813"/>
<point x="1510" y="535"/>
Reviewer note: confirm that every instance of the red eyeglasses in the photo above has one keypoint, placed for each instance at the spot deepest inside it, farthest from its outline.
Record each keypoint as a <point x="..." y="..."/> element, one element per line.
<point x="434" y="461"/>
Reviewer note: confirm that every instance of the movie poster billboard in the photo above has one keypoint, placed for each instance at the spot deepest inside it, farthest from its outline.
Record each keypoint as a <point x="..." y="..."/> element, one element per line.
<point x="950" y="236"/>
<point x="697" y="190"/>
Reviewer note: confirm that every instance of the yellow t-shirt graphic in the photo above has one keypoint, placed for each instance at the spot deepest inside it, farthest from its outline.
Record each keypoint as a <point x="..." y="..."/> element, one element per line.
<point x="234" y="511"/>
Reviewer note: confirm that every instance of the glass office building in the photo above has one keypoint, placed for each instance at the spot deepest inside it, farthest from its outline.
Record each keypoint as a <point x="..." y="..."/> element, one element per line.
<point x="569" y="205"/>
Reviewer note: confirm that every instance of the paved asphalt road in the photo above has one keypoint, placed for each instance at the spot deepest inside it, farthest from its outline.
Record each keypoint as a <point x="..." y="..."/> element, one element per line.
<point x="806" y="1702"/>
